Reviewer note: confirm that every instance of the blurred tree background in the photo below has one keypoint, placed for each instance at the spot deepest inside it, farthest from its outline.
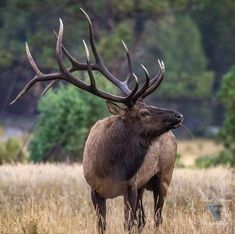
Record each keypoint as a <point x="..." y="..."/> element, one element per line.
<point x="194" y="39"/>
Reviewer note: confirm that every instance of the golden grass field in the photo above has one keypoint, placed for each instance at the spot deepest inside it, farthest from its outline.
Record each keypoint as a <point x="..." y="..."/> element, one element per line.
<point x="54" y="198"/>
<point x="190" y="150"/>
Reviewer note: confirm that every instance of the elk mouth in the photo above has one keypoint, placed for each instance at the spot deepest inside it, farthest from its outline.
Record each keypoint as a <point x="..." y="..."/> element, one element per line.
<point x="176" y="120"/>
<point x="178" y="124"/>
<point x="173" y="124"/>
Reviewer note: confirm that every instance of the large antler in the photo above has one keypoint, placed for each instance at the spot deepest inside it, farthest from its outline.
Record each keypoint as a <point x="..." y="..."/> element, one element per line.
<point x="66" y="74"/>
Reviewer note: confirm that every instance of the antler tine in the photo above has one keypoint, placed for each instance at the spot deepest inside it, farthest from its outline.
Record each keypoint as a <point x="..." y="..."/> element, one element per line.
<point x="59" y="56"/>
<point x="145" y="86"/>
<point x="36" y="69"/>
<point x="37" y="78"/>
<point x="156" y="81"/>
<point x="92" y="41"/>
<point x="99" y="62"/>
<point x="52" y="83"/>
<point x="92" y="80"/>
<point x="39" y="75"/>
<point x="66" y="74"/>
<point x="25" y="89"/>
<point x="161" y="69"/>
<point x="76" y="64"/>
<point x="129" y="99"/>
<point x="31" y="60"/>
<point x="130" y="73"/>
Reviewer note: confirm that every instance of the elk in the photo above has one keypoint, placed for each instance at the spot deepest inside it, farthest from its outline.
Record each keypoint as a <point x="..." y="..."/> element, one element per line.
<point x="129" y="151"/>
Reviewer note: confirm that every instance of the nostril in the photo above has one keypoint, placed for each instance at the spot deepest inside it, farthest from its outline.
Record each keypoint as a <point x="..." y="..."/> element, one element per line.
<point x="179" y="116"/>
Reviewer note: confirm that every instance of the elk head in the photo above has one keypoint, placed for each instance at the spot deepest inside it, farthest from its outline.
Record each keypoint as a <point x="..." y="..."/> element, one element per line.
<point x="148" y="120"/>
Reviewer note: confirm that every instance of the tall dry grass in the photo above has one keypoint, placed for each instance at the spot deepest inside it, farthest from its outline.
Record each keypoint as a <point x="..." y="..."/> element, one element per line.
<point x="55" y="199"/>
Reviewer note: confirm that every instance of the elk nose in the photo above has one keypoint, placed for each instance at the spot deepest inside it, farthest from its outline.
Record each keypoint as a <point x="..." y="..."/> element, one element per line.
<point x="178" y="116"/>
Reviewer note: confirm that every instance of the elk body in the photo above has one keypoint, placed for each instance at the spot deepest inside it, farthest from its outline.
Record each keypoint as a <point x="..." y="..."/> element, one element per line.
<point x="128" y="152"/>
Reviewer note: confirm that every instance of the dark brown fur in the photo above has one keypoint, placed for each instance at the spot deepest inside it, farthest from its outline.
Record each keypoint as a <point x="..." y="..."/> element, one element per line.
<point x="121" y="159"/>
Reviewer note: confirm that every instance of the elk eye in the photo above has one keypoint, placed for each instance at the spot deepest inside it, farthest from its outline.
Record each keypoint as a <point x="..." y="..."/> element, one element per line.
<point x="143" y="113"/>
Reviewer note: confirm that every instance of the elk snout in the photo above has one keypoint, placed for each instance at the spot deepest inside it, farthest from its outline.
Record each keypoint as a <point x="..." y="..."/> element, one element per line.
<point x="178" y="116"/>
<point x="174" y="119"/>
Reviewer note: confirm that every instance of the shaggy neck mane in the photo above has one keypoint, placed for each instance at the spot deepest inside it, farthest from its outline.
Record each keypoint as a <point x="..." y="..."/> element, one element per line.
<point x="125" y="150"/>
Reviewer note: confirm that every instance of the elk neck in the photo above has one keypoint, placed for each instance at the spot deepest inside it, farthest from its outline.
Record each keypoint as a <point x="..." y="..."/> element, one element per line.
<point x="125" y="150"/>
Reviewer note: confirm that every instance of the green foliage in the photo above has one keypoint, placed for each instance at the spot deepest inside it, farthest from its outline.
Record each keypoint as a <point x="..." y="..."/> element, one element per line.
<point x="178" y="161"/>
<point x="10" y="151"/>
<point x="204" y="162"/>
<point x="227" y="134"/>
<point x="5" y="58"/>
<point x="227" y="92"/>
<point x="66" y="115"/>
<point x="226" y="157"/>
<point x="227" y="95"/>
<point x="179" y="44"/>
<point x="122" y="6"/>
<point x="156" y="7"/>
<point x="111" y="43"/>
<point x="216" y="22"/>
<point x="151" y="7"/>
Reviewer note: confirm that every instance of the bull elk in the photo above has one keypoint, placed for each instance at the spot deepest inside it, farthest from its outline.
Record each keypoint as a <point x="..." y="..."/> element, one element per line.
<point x="129" y="151"/>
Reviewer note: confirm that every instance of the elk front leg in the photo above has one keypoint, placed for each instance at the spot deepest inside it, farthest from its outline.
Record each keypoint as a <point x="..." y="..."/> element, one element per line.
<point x="130" y="205"/>
<point x="100" y="207"/>
<point x="140" y="209"/>
<point x="159" y="194"/>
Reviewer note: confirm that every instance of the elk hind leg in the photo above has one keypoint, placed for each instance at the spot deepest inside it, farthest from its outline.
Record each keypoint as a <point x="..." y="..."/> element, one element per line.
<point x="100" y="207"/>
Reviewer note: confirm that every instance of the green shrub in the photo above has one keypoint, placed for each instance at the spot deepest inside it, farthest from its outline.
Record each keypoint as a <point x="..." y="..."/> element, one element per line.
<point x="205" y="162"/>
<point x="66" y="115"/>
<point x="227" y="134"/>
<point x="227" y="95"/>
<point x="10" y="151"/>
<point x="226" y="157"/>
<point x="178" y="162"/>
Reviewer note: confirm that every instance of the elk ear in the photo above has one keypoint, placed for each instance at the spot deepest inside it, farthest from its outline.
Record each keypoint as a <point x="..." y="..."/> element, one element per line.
<point x="115" y="109"/>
